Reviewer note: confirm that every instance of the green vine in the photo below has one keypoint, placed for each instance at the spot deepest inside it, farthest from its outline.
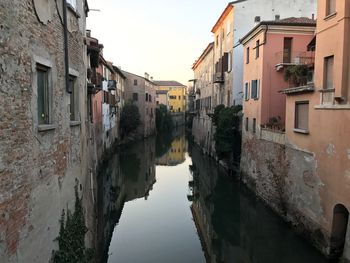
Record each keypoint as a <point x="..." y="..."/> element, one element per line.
<point x="71" y="239"/>
<point x="297" y="74"/>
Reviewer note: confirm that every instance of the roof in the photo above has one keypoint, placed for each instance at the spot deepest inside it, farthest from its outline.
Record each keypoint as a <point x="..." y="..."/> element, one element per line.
<point x="224" y="14"/>
<point x="118" y="70"/>
<point x="290" y="21"/>
<point x="162" y="91"/>
<point x="203" y="55"/>
<point x="168" y="83"/>
<point x="126" y="73"/>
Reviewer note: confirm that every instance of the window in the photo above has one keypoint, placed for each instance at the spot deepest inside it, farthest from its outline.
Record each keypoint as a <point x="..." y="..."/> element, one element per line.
<point x="179" y="97"/>
<point x="330" y="7"/>
<point x="43" y="95"/>
<point x="135" y="82"/>
<point x="247" y="58"/>
<point x="287" y="50"/>
<point x="302" y="115"/>
<point x="172" y="97"/>
<point x="328" y="72"/>
<point x="254" y="125"/>
<point x="257" y="49"/>
<point x="150" y="98"/>
<point x="247" y="124"/>
<point x="228" y="28"/>
<point x="146" y="96"/>
<point x="135" y="97"/>
<point x="255" y="91"/>
<point x="74" y="108"/>
<point x="246" y="91"/>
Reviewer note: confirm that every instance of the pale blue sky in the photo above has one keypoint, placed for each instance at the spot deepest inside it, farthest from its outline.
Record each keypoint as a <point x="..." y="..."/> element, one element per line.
<point x="162" y="38"/>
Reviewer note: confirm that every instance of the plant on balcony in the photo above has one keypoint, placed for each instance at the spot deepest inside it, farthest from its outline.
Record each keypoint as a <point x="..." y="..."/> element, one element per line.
<point x="297" y="74"/>
<point x="275" y="124"/>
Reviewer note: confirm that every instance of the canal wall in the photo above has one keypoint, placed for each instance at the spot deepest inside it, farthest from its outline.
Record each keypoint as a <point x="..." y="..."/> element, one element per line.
<point x="285" y="178"/>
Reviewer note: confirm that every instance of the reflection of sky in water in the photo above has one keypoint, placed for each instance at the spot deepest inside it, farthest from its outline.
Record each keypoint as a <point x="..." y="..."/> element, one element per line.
<point x="159" y="229"/>
<point x="233" y="225"/>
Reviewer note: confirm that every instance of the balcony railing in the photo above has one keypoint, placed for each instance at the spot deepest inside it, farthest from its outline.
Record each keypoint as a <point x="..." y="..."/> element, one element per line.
<point x="286" y="58"/>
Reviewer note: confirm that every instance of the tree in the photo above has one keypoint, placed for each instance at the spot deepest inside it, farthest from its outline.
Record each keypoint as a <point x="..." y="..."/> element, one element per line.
<point x="227" y="137"/>
<point x="130" y="119"/>
<point x="164" y="122"/>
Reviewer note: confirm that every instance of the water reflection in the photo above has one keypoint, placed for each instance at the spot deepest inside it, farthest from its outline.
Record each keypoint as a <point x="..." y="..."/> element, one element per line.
<point x="235" y="227"/>
<point x="161" y="202"/>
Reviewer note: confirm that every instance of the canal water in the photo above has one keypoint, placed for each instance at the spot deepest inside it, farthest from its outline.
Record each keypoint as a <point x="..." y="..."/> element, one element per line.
<point x="161" y="200"/>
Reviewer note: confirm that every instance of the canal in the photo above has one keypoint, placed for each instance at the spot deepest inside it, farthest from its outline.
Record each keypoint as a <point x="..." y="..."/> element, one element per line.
<point x="161" y="200"/>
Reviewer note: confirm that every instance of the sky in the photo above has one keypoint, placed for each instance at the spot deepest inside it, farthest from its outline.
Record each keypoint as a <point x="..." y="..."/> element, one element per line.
<point x="160" y="37"/>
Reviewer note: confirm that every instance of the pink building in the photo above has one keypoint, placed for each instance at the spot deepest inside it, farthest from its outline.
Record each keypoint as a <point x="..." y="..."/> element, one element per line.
<point x="269" y="48"/>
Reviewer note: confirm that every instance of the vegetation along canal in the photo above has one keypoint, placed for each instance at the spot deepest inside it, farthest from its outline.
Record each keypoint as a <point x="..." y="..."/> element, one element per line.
<point x="161" y="200"/>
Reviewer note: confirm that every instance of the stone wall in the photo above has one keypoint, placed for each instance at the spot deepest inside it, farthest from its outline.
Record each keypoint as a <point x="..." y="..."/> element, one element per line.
<point x="38" y="169"/>
<point x="285" y="179"/>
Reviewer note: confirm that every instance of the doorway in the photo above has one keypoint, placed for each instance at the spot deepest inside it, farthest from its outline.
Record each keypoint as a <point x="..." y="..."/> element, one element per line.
<point x="339" y="228"/>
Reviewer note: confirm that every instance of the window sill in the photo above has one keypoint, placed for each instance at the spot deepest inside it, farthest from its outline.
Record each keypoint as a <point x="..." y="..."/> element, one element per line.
<point x="301" y="131"/>
<point x="75" y="123"/>
<point x="326" y="90"/>
<point x="46" y="127"/>
<point x="330" y="16"/>
<point x="333" y="107"/>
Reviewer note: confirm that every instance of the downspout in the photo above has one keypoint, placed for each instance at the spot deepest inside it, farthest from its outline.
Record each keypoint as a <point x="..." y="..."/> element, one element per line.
<point x="65" y="40"/>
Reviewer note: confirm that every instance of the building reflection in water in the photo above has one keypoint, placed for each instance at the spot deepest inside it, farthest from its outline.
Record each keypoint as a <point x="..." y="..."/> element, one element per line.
<point x="125" y="177"/>
<point x="175" y="155"/>
<point x="235" y="227"/>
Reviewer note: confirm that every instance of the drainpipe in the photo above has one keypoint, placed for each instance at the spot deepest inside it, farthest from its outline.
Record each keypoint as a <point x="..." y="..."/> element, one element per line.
<point x="65" y="40"/>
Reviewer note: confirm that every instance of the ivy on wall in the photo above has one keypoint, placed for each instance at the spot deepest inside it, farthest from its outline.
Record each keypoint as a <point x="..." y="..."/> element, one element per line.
<point x="71" y="238"/>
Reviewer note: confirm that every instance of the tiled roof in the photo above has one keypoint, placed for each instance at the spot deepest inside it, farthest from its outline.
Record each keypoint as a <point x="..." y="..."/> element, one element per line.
<point x="293" y="20"/>
<point x="168" y="83"/>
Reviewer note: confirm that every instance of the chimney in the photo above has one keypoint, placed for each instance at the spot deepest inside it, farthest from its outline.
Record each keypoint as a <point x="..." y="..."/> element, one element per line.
<point x="151" y="78"/>
<point x="146" y="75"/>
<point x="88" y="33"/>
<point x="277" y="17"/>
<point x="257" y="20"/>
<point x="313" y="17"/>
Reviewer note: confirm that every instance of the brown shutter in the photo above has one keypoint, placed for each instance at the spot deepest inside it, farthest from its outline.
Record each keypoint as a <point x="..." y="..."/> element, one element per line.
<point x="225" y="62"/>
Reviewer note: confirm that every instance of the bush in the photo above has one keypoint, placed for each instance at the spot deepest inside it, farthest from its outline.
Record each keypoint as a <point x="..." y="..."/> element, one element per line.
<point x="227" y="137"/>
<point x="130" y="119"/>
<point x="164" y="122"/>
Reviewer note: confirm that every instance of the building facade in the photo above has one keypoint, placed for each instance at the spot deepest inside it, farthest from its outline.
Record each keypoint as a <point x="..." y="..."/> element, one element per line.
<point x="270" y="48"/>
<point x="237" y="19"/>
<point x="176" y="93"/>
<point x="43" y="131"/>
<point x="141" y="91"/>
<point x="202" y="128"/>
<point x="309" y="185"/>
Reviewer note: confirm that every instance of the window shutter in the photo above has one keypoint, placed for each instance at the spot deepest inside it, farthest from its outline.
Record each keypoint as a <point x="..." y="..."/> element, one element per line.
<point x="225" y="62"/>
<point x="302" y="116"/>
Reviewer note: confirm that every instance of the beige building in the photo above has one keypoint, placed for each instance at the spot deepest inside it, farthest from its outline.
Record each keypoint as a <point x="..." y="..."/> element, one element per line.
<point x="142" y="92"/>
<point x="204" y="86"/>
<point x="162" y="98"/>
<point x="223" y="50"/>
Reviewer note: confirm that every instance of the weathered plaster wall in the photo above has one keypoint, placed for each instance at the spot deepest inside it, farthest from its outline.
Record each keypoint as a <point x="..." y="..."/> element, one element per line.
<point x="286" y="179"/>
<point x="37" y="169"/>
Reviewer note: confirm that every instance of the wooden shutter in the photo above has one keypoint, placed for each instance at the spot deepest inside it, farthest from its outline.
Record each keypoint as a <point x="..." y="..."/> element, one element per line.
<point x="302" y="115"/>
<point x="225" y="62"/>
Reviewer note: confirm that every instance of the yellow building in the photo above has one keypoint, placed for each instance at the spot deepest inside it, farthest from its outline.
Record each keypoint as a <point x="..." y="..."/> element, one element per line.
<point x="176" y="94"/>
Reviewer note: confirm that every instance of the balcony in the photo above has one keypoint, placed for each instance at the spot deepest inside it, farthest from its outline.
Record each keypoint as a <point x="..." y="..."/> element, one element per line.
<point x="292" y="58"/>
<point x="219" y="78"/>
